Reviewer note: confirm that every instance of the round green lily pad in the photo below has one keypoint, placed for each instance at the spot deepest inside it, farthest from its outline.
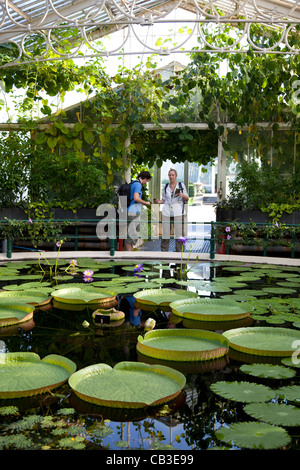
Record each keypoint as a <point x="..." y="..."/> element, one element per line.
<point x="127" y="385"/>
<point x="265" y="341"/>
<point x="211" y="309"/>
<point x="245" y="392"/>
<point x="76" y="295"/>
<point x="270" y="371"/>
<point x="32" y="297"/>
<point x="274" y="413"/>
<point x="25" y="374"/>
<point x="254" y="435"/>
<point x="162" y="296"/>
<point x="182" y="345"/>
<point x="12" y="314"/>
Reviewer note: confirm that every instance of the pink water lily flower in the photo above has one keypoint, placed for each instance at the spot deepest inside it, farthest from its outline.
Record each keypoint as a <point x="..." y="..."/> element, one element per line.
<point x="88" y="273"/>
<point x="183" y="240"/>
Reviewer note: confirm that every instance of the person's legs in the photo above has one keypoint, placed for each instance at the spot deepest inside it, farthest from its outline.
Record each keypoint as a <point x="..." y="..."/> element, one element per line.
<point x="179" y="230"/>
<point x="133" y="222"/>
<point x="166" y="233"/>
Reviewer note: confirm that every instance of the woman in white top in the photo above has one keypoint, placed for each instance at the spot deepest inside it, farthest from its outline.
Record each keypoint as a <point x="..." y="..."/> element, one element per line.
<point x="173" y="199"/>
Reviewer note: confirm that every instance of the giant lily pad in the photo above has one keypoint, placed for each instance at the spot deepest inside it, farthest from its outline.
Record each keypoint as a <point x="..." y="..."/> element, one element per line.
<point x="25" y="374"/>
<point x="32" y="297"/>
<point x="265" y="341"/>
<point x="182" y="345"/>
<point x="127" y="385"/>
<point x="76" y="295"/>
<point x="162" y="296"/>
<point x="211" y="309"/>
<point x="12" y="314"/>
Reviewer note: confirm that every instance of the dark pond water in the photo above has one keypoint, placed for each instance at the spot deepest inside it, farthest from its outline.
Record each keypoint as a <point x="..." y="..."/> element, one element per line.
<point x="59" y="420"/>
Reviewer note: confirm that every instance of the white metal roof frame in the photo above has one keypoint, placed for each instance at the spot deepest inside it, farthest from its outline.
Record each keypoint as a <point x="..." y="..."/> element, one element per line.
<point x="21" y="20"/>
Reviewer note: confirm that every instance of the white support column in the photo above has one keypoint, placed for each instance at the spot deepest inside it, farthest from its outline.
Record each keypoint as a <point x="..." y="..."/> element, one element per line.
<point x="127" y="161"/>
<point x="221" y="177"/>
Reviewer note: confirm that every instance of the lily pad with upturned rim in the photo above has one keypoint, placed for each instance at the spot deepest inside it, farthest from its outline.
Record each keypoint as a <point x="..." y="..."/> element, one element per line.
<point x="25" y="374"/>
<point x="127" y="385"/>
<point x="77" y="295"/>
<point x="211" y="309"/>
<point x="162" y="296"/>
<point x="182" y="345"/>
<point x="12" y="314"/>
<point x="265" y="341"/>
<point x="32" y="297"/>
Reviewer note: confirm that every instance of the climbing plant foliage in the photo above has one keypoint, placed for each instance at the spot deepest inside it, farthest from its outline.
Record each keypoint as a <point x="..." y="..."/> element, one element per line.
<point x="244" y="87"/>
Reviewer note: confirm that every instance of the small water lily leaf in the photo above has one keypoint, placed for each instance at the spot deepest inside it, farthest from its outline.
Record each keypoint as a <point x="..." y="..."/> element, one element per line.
<point x="274" y="413"/>
<point x="245" y="392"/>
<point x="278" y="290"/>
<point x="27" y="285"/>
<point x="254" y="435"/>
<point x="290" y="361"/>
<point x="267" y="371"/>
<point x="290" y="392"/>
<point x="127" y="385"/>
<point x="25" y="374"/>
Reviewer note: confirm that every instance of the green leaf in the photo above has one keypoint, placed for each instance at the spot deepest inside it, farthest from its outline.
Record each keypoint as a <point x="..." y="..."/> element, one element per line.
<point x="246" y="392"/>
<point x="127" y="385"/>
<point x="182" y="345"/>
<point x="254" y="435"/>
<point x="267" y="371"/>
<point x="162" y="296"/>
<point x="76" y="295"/>
<point x="24" y="374"/>
<point x="211" y="309"/>
<point x="266" y="341"/>
<point x="274" y="413"/>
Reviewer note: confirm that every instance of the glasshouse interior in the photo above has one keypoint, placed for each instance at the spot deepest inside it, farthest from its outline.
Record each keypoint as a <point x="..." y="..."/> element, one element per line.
<point x="149" y="226"/>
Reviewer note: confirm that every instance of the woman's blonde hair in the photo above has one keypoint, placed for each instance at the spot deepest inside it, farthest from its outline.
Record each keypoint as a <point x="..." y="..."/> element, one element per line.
<point x="172" y="169"/>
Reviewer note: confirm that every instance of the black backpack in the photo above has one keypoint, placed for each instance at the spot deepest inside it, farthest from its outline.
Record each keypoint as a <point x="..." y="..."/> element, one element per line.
<point x="124" y="190"/>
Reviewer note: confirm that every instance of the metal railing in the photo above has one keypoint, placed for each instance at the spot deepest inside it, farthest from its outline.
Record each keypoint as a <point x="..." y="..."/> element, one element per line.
<point x="213" y="236"/>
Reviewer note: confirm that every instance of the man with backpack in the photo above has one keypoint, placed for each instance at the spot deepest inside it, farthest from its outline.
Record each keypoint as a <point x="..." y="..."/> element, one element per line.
<point x="174" y="197"/>
<point x="134" y="192"/>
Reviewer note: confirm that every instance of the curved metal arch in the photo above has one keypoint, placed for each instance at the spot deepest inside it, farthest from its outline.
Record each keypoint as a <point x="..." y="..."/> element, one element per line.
<point x="100" y="17"/>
